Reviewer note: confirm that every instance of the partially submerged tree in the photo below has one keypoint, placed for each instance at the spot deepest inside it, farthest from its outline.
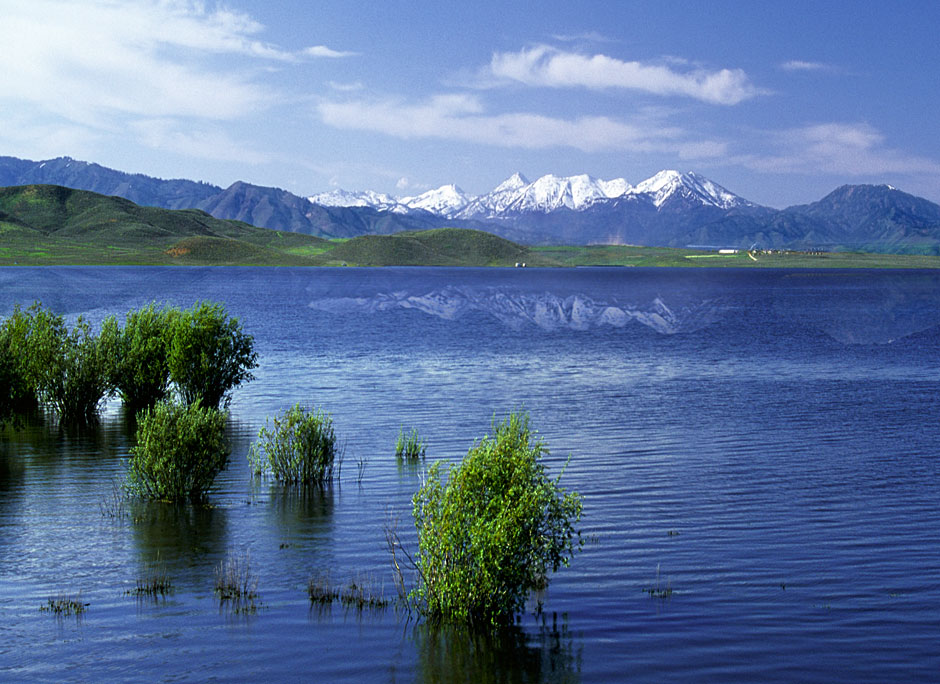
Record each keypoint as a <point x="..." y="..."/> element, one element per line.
<point x="138" y="353"/>
<point x="180" y="449"/>
<point x="491" y="531"/>
<point x="209" y="354"/>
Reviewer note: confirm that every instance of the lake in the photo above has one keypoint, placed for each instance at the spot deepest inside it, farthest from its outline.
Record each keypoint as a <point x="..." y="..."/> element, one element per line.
<point x="759" y="448"/>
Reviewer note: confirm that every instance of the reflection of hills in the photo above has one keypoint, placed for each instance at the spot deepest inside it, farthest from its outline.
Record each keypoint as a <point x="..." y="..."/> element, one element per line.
<point x="857" y="309"/>
<point x="546" y="310"/>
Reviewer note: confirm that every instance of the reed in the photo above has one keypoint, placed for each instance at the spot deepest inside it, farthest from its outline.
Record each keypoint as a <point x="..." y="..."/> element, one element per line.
<point x="409" y="447"/>
<point x="65" y="605"/>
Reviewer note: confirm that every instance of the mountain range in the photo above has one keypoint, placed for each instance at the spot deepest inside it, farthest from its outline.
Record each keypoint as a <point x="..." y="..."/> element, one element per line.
<point x="669" y="209"/>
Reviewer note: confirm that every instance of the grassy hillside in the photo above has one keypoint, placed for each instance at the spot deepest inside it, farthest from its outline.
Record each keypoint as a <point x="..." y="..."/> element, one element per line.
<point x="438" y="247"/>
<point x="48" y="224"/>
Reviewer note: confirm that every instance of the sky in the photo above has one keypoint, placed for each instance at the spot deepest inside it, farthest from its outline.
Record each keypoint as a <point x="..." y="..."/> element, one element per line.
<point x="779" y="102"/>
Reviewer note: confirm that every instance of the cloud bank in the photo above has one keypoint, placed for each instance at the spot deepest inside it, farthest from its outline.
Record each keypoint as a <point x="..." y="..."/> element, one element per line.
<point x="544" y="66"/>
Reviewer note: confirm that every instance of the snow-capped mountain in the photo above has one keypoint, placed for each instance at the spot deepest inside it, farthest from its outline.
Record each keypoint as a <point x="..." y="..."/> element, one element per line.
<point x="364" y="198"/>
<point x="667" y="184"/>
<point x="517" y="195"/>
<point x="446" y="200"/>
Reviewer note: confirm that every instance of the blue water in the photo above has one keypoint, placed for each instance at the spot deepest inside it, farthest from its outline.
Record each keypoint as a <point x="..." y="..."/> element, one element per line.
<point x="763" y="444"/>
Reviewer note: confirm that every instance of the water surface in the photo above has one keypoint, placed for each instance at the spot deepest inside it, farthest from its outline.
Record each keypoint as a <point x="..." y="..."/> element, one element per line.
<point x="761" y="443"/>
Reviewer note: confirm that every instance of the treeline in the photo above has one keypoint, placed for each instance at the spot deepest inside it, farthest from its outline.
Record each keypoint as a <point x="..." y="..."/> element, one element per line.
<point x="162" y="352"/>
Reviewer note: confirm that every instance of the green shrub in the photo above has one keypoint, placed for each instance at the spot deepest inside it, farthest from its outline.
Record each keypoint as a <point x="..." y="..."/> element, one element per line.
<point x="47" y="362"/>
<point x="300" y="447"/>
<point x="18" y="391"/>
<point x="180" y="449"/>
<point x="491" y="533"/>
<point x="209" y="354"/>
<point x="75" y="379"/>
<point x="409" y="447"/>
<point x="139" y="367"/>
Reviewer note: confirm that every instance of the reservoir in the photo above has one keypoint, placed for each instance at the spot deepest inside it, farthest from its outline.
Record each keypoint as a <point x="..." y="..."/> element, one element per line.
<point x="756" y="450"/>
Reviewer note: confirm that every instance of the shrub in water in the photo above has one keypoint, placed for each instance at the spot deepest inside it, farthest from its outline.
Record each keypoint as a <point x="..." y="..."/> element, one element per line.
<point x="76" y="377"/>
<point x="138" y="353"/>
<point x="66" y="369"/>
<point x="18" y="391"/>
<point x="209" y="354"/>
<point x="491" y="533"/>
<point x="299" y="448"/>
<point x="180" y="449"/>
<point x="409" y="447"/>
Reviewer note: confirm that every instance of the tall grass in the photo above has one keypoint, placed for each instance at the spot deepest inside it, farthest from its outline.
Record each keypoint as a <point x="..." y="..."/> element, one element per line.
<point x="410" y="446"/>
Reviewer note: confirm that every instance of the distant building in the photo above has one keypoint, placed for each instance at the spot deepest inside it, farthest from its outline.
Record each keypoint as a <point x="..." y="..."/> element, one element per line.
<point x="728" y="251"/>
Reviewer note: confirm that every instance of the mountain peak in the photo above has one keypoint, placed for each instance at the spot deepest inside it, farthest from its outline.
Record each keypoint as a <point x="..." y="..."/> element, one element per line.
<point x="514" y="182"/>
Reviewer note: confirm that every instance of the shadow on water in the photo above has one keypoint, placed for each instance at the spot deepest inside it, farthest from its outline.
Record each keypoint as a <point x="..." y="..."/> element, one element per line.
<point x="452" y="654"/>
<point x="189" y="539"/>
<point x="302" y="513"/>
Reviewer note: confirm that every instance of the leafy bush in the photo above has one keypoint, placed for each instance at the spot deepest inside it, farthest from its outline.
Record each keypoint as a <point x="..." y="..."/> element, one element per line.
<point x="18" y="391"/>
<point x="209" y="354"/>
<point x="75" y="379"/>
<point x="139" y="368"/>
<point x="47" y="362"/>
<point x="300" y="448"/>
<point x="490" y="533"/>
<point x="180" y="449"/>
<point x="409" y="447"/>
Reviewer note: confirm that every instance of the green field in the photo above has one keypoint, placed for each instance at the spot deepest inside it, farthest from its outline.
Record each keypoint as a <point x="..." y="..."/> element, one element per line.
<point x="51" y="225"/>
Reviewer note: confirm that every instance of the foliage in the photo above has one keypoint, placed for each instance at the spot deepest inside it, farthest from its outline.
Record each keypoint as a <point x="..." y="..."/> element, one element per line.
<point x="209" y="354"/>
<point x="45" y="361"/>
<point x="300" y="447"/>
<point x="491" y="533"/>
<point x="409" y="447"/>
<point x="75" y="377"/>
<point x="138" y="354"/>
<point x="180" y="449"/>
<point x="18" y="390"/>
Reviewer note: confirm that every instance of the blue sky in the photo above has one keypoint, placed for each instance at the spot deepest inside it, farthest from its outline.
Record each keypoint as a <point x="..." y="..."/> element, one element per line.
<point x="778" y="102"/>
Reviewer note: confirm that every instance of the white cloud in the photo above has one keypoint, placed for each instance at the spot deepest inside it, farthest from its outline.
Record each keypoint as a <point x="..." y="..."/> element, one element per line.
<point x="204" y="142"/>
<point x="837" y="148"/>
<point x="345" y="87"/>
<point x="544" y="66"/>
<point x="87" y="62"/>
<point x="324" y="51"/>
<point x="463" y="118"/>
<point x="800" y="65"/>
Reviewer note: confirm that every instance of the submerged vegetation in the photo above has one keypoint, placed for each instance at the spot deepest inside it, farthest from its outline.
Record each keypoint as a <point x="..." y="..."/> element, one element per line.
<point x="409" y="447"/>
<point x="180" y="449"/>
<point x="359" y="593"/>
<point x="65" y="605"/>
<point x="490" y="531"/>
<point x="198" y="353"/>
<point x="236" y="583"/>
<point x="298" y="449"/>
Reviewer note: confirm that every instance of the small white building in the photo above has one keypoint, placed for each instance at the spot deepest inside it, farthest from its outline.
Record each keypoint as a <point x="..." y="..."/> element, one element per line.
<point x="728" y="251"/>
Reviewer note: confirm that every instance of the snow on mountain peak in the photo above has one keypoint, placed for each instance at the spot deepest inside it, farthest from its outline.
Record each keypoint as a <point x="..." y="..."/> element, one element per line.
<point x="546" y="194"/>
<point x="445" y="200"/>
<point x="668" y="183"/>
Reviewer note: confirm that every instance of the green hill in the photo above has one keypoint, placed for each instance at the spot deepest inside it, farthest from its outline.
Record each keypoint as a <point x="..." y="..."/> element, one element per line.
<point x="437" y="247"/>
<point x="50" y="224"/>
